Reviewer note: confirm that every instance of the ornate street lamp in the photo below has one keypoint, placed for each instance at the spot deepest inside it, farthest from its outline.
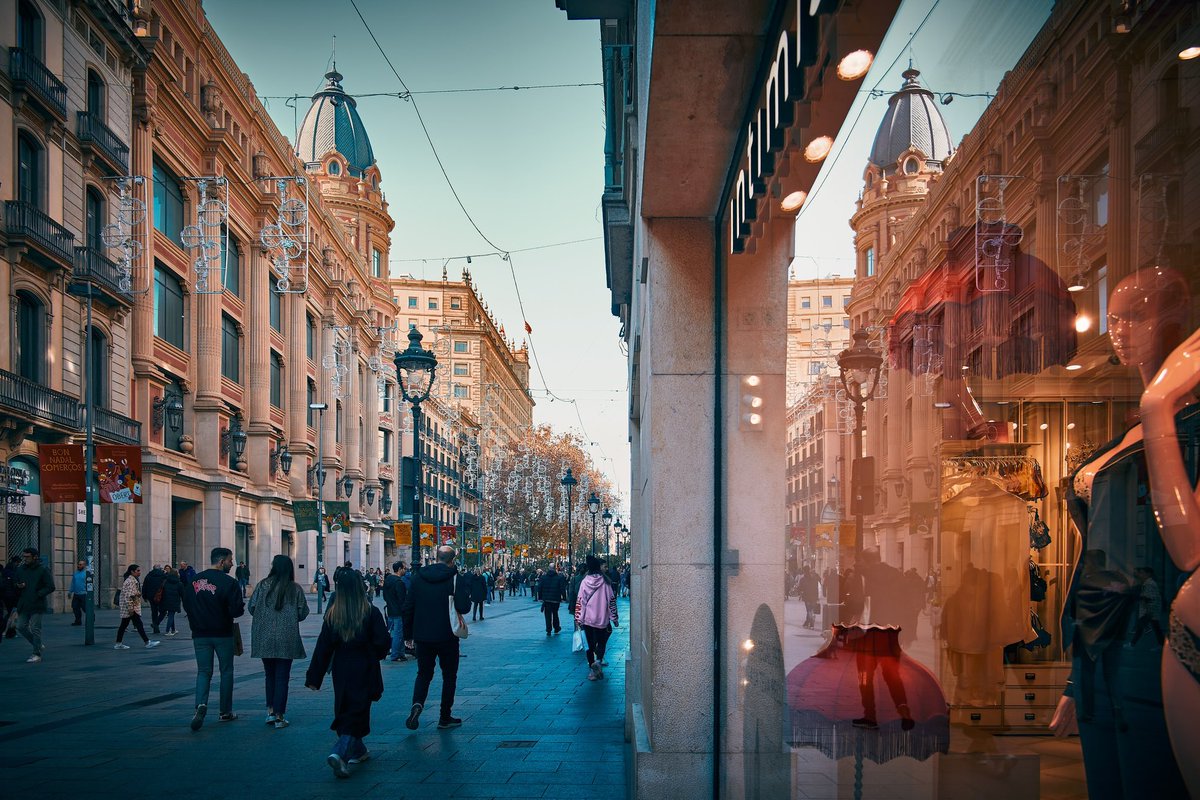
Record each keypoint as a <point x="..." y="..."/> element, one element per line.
<point x="593" y="509"/>
<point x="608" y="518"/>
<point x="281" y="458"/>
<point x="170" y="410"/>
<point x="233" y="438"/>
<point x="347" y="486"/>
<point x="416" y="368"/>
<point x="568" y="483"/>
<point x="859" y="367"/>
<point x="385" y="503"/>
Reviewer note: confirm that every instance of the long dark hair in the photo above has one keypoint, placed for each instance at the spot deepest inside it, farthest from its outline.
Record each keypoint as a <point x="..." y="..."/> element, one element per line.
<point x="347" y="614"/>
<point x="283" y="580"/>
<point x="129" y="571"/>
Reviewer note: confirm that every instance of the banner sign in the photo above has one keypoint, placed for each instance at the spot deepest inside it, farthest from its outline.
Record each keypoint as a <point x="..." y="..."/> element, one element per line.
<point x="337" y="514"/>
<point x="472" y="549"/>
<point x="62" y="470"/>
<point x="500" y="544"/>
<point x="486" y="543"/>
<point x="427" y="534"/>
<point x="119" y="471"/>
<point x="305" y="514"/>
<point x="402" y="531"/>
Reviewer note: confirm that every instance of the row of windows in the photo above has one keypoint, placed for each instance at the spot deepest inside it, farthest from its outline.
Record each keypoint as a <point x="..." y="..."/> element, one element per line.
<point x="826" y="301"/>
<point x="413" y="302"/>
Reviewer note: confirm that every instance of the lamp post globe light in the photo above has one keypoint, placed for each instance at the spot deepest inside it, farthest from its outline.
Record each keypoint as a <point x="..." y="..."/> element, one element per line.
<point x="415" y="369"/>
<point x="568" y="483"/>
<point x="859" y="370"/>
<point x="608" y="518"/>
<point x="594" y="509"/>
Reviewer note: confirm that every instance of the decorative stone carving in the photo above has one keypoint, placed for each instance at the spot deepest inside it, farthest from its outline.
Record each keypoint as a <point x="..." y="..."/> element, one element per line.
<point x="210" y="103"/>
<point x="186" y="444"/>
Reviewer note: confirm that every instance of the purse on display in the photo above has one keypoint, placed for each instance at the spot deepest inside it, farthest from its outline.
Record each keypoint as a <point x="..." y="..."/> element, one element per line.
<point x="1041" y="635"/>
<point x="1037" y="584"/>
<point x="1039" y="532"/>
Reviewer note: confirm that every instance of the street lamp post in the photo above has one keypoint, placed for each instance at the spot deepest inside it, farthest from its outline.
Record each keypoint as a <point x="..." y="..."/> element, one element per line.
<point x="568" y="483"/>
<point x="593" y="509"/>
<point x="859" y="367"/>
<point x="320" y="476"/>
<point x="415" y="368"/>
<point x="608" y="518"/>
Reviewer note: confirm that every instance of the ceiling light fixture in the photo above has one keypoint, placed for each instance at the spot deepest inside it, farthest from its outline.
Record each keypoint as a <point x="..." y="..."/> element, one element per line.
<point x="855" y="65"/>
<point x="793" y="201"/>
<point x="817" y="149"/>
<point x="1083" y="323"/>
<point x="1074" y="367"/>
<point x="1188" y="53"/>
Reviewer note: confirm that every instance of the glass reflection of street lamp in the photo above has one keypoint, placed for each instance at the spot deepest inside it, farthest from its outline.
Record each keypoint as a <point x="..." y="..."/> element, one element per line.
<point x="593" y="509"/>
<point x="416" y="368"/>
<point x="859" y="366"/>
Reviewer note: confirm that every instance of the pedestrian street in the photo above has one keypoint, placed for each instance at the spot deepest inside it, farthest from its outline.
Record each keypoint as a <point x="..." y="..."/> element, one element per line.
<point x="93" y="722"/>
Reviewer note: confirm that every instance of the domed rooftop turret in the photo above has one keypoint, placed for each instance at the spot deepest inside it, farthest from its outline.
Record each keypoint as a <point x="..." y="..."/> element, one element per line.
<point x="332" y="123"/>
<point x="912" y="122"/>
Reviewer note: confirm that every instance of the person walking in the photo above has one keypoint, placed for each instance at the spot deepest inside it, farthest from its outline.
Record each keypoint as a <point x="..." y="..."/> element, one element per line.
<point x="278" y="606"/>
<point x="478" y="593"/>
<point x="427" y="625"/>
<point x="9" y="593"/>
<point x="596" y="611"/>
<point x="501" y="584"/>
<point x="809" y="589"/>
<point x="187" y="573"/>
<point x="573" y="588"/>
<point x="152" y="590"/>
<point x="131" y="608"/>
<point x="213" y="600"/>
<point x="552" y="589"/>
<point x="354" y="638"/>
<point x="34" y="582"/>
<point x="243" y="577"/>
<point x="78" y="592"/>
<point x="172" y="594"/>
<point x="321" y="584"/>
<point x="395" y="590"/>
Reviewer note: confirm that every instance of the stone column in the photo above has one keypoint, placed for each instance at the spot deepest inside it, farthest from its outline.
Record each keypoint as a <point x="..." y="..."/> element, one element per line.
<point x="206" y="310"/>
<point x="333" y="549"/>
<point x="256" y="374"/>
<point x="296" y="375"/>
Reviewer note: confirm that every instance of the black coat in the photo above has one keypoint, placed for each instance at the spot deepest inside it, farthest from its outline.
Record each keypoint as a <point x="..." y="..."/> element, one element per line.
<point x="357" y="679"/>
<point x="152" y="583"/>
<point x="552" y="588"/>
<point x="172" y="591"/>
<point x="478" y="588"/>
<point x="394" y="592"/>
<point x="426" y="609"/>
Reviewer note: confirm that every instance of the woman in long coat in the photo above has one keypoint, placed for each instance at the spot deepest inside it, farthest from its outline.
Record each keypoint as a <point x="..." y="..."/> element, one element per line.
<point x="478" y="593"/>
<point x="172" y="588"/>
<point x="278" y="606"/>
<point x="353" y="630"/>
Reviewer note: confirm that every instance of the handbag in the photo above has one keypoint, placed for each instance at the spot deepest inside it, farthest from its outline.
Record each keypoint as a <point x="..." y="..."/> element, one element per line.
<point x="1037" y="584"/>
<point x="578" y="641"/>
<point x="237" y="639"/>
<point x="1039" y="532"/>
<point x="460" y="630"/>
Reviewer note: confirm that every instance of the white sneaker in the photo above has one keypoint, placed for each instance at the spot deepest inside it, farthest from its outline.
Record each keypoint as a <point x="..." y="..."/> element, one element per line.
<point x="119" y="646"/>
<point x="34" y="659"/>
<point x="152" y="643"/>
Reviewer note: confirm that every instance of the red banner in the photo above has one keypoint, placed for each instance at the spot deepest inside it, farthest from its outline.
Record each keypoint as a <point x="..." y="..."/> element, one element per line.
<point x="119" y="472"/>
<point x="500" y="544"/>
<point x="62" y="473"/>
<point x="448" y="533"/>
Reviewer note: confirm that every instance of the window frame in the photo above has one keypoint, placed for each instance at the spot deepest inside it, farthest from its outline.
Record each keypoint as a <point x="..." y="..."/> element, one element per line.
<point x="162" y="329"/>
<point x="231" y="349"/>
<point x="276" y="380"/>
<point x="30" y="169"/>
<point x="166" y="188"/>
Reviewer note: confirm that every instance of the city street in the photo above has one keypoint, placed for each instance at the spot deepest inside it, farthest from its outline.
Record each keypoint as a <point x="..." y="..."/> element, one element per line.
<point x="96" y="722"/>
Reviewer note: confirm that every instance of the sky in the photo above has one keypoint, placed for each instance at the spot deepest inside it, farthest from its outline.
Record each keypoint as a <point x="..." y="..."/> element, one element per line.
<point x="528" y="164"/>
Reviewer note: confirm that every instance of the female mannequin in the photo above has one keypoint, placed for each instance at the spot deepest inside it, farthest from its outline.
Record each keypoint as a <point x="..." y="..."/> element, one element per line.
<point x="1178" y="513"/>
<point x="1113" y="699"/>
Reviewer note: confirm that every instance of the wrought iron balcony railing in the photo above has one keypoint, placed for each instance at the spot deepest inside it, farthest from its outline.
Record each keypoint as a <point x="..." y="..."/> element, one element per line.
<point x="92" y="266"/>
<point x="26" y="222"/>
<point x="114" y="427"/>
<point x="32" y="400"/>
<point x="29" y="74"/>
<point x="93" y="133"/>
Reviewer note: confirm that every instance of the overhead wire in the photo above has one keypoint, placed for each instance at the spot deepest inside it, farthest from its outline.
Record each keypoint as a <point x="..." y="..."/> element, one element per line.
<point x="406" y="95"/>
<point x="493" y="253"/>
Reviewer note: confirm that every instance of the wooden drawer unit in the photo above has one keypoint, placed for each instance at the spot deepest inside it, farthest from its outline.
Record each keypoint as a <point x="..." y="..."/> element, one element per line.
<point x="1031" y="697"/>
<point x="990" y="717"/>
<point x="1018" y="675"/>
<point x="1030" y="717"/>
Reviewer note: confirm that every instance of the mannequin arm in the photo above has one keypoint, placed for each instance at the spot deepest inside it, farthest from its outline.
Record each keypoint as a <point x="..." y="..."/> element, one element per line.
<point x="1175" y="504"/>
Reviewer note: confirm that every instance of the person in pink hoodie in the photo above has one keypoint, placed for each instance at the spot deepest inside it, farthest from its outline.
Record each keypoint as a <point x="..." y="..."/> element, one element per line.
<point x="596" y="611"/>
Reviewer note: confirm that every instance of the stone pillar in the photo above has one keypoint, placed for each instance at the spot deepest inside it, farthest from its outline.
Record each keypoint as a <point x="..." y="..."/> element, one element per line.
<point x="370" y="444"/>
<point x="256" y="375"/>
<point x="352" y="431"/>
<point x="296" y="375"/>
<point x="208" y="404"/>
<point x="333" y="549"/>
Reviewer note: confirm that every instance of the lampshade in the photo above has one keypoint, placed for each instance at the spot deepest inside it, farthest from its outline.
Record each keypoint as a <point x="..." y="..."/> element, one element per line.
<point x="415" y="368"/>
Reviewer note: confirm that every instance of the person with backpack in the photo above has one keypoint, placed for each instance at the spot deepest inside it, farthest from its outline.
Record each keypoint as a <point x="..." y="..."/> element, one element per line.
<point x="354" y="639"/>
<point x="278" y="606"/>
<point x="596" y="611"/>
<point x="131" y="608"/>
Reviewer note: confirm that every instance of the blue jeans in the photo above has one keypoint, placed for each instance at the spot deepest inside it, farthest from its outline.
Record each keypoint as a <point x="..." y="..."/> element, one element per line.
<point x="170" y="622"/>
<point x="396" y="626"/>
<point x="277" y="672"/>
<point x="348" y="746"/>
<point x="222" y="647"/>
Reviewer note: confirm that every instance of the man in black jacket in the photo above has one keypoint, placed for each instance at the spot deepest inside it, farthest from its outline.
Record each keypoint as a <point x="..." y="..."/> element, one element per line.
<point x="394" y="593"/>
<point x="213" y="600"/>
<point x="552" y="589"/>
<point x="426" y="616"/>
<point x="151" y="585"/>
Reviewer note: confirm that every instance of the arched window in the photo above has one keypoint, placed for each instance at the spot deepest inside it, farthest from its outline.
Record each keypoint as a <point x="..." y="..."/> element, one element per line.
<point x="29" y="170"/>
<point x="30" y="31"/>
<point x="95" y="218"/>
<point x="276" y="380"/>
<point x="98" y="368"/>
<point x="29" y="342"/>
<point x="334" y="168"/>
<point x="96" y="95"/>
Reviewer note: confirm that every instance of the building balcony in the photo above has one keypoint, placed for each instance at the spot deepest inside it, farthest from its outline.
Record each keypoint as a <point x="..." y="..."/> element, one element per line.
<point x="34" y="402"/>
<point x="105" y="145"/>
<point x="101" y="277"/>
<point x="48" y="242"/>
<point x="33" y="78"/>
<point x="113" y="427"/>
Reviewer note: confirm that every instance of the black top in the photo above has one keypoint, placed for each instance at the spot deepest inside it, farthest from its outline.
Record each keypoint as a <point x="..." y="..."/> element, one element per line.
<point x="213" y="600"/>
<point x="426" y="609"/>
<point x="552" y="588"/>
<point x="394" y="592"/>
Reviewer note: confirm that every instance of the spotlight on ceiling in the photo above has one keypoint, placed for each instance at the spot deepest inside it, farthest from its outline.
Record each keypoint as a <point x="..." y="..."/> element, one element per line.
<point x="817" y="149"/>
<point x="793" y="201"/>
<point x="854" y="65"/>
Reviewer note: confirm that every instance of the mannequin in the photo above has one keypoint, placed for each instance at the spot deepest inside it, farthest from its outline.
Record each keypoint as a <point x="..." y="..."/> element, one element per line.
<point x="1113" y="696"/>
<point x="1178" y="513"/>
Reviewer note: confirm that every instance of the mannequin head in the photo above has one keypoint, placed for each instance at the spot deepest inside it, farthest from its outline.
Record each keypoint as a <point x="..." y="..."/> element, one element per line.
<point x="1147" y="317"/>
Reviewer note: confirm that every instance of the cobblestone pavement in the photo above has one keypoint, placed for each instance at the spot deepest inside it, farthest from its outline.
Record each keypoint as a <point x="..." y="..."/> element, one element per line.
<point x="97" y="722"/>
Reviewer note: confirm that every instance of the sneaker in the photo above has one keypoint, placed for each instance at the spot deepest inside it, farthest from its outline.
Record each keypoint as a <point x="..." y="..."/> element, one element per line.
<point x="414" y="717"/>
<point x="34" y="659"/>
<point x="865" y="722"/>
<point x="230" y="717"/>
<point x="119" y="646"/>
<point x="271" y="718"/>
<point x="366" y="754"/>
<point x="547" y="633"/>
<point x="152" y="643"/>
<point x="592" y="675"/>
<point x="449" y="722"/>
<point x="281" y="723"/>
<point x="198" y="718"/>
<point x="339" y="766"/>
<point x="170" y="633"/>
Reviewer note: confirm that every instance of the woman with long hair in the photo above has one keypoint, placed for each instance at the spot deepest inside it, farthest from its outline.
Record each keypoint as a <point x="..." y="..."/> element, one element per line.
<point x="353" y="630"/>
<point x="596" y="612"/>
<point x="278" y="606"/>
<point x="131" y="607"/>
